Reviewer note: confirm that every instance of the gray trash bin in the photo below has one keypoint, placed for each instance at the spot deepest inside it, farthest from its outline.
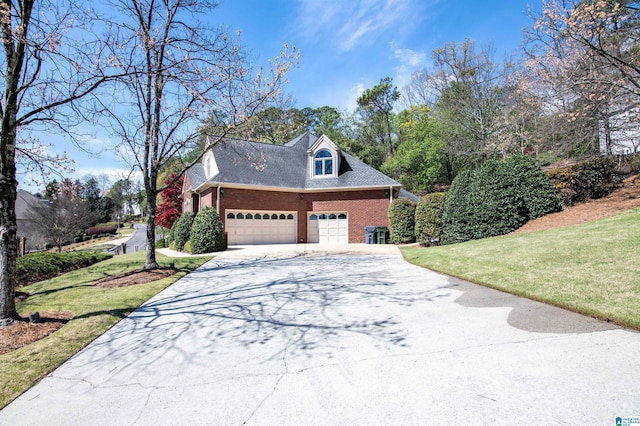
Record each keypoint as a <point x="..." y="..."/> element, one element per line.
<point x="370" y="234"/>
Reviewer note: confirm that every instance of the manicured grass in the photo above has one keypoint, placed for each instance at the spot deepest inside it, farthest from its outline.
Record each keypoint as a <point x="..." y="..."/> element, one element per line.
<point x="95" y="311"/>
<point x="593" y="268"/>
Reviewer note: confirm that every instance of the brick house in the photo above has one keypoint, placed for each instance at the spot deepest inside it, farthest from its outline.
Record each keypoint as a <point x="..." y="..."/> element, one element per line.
<point x="306" y="191"/>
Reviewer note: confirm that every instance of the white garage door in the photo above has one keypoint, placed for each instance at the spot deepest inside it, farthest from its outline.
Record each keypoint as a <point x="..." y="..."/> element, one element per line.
<point x="261" y="227"/>
<point x="328" y="228"/>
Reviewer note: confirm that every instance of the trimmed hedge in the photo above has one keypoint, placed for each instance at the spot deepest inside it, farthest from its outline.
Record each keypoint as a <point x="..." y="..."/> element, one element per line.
<point x="35" y="267"/>
<point x="578" y="183"/>
<point x="98" y="230"/>
<point x="539" y="194"/>
<point x="402" y="216"/>
<point x="455" y="212"/>
<point x="207" y="233"/>
<point x="496" y="199"/>
<point x="183" y="229"/>
<point x="429" y="219"/>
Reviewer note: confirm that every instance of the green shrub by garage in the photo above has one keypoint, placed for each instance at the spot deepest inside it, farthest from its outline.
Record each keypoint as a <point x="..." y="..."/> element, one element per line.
<point x="207" y="233"/>
<point x="183" y="230"/>
<point x="429" y="219"/>
<point x="402" y="216"/>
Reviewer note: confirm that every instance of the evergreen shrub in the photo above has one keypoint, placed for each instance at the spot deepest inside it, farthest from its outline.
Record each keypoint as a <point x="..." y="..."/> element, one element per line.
<point x="588" y="180"/>
<point x="183" y="229"/>
<point x="35" y="267"/>
<point x="455" y="212"/>
<point x="429" y="219"/>
<point x="207" y="234"/>
<point x="402" y="213"/>
<point x="540" y="197"/>
<point x="495" y="201"/>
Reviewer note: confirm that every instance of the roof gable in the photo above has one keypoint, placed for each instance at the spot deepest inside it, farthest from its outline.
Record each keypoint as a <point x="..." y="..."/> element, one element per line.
<point x="256" y="164"/>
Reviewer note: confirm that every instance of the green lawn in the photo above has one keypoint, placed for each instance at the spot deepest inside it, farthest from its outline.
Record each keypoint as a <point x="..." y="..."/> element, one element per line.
<point x="95" y="311"/>
<point x="592" y="268"/>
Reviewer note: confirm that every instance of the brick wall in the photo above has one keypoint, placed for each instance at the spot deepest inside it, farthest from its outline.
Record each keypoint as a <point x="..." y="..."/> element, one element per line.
<point x="363" y="208"/>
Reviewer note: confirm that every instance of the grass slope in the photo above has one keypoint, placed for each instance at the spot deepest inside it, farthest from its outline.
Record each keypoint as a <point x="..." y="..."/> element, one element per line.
<point x="592" y="268"/>
<point x="95" y="311"/>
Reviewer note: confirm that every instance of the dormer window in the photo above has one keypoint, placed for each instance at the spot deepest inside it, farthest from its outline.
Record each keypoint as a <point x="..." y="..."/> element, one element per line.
<point x="323" y="161"/>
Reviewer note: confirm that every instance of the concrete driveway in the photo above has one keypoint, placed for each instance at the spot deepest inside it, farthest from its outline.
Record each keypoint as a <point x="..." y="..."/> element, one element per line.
<point x="340" y="339"/>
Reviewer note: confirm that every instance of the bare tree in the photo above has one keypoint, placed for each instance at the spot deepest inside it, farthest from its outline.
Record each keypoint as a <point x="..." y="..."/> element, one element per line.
<point x="60" y="220"/>
<point x="179" y="70"/>
<point x="466" y="88"/>
<point x="44" y="73"/>
<point x="587" y="54"/>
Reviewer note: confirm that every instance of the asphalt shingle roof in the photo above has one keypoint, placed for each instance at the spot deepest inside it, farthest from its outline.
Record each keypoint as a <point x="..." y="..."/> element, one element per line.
<point x="283" y="166"/>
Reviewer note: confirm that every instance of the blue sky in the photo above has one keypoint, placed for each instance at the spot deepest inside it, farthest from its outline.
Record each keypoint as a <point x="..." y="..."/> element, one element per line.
<point x="346" y="46"/>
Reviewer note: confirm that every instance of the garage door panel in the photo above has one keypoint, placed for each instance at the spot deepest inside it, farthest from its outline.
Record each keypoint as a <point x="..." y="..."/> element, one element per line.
<point x="253" y="227"/>
<point x="329" y="227"/>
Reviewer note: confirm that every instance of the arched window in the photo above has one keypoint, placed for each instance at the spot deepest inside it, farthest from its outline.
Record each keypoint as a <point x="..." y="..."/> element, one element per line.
<point x="265" y="216"/>
<point x="249" y="216"/>
<point x="274" y="216"/>
<point x="289" y="216"/>
<point x="313" y="217"/>
<point x="282" y="217"/>
<point x="231" y="216"/>
<point x="342" y="216"/>
<point x="240" y="216"/>
<point x="323" y="161"/>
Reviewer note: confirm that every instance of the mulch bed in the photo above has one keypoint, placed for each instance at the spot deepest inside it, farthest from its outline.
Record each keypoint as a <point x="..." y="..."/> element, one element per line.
<point x="624" y="198"/>
<point x="135" y="277"/>
<point x="24" y="332"/>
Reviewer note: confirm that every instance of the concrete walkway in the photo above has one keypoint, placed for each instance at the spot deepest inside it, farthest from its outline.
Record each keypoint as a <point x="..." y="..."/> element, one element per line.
<point x="292" y="250"/>
<point x="340" y="340"/>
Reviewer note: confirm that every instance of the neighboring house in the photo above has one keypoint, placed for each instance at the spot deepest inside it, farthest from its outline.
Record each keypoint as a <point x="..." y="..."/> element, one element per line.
<point x="25" y="201"/>
<point x="624" y="131"/>
<point x="307" y="190"/>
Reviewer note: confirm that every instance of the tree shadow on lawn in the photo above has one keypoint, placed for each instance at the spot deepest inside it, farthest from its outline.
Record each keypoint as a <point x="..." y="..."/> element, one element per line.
<point x="302" y="306"/>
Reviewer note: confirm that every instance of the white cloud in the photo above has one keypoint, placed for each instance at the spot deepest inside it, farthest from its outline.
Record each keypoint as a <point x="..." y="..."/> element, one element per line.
<point x="351" y="101"/>
<point x="410" y="57"/>
<point x="408" y="62"/>
<point x="350" y="24"/>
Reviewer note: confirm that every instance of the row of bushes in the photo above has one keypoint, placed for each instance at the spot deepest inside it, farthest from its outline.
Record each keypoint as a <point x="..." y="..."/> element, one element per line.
<point x="409" y="222"/>
<point x="97" y="230"/>
<point x="35" y="267"/>
<point x="197" y="234"/>
<point x="496" y="199"/>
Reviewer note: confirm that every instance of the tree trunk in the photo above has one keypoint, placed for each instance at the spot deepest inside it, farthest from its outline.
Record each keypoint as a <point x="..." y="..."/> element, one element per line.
<point x="150" y="259"/>
<point x="8" y="231"/>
